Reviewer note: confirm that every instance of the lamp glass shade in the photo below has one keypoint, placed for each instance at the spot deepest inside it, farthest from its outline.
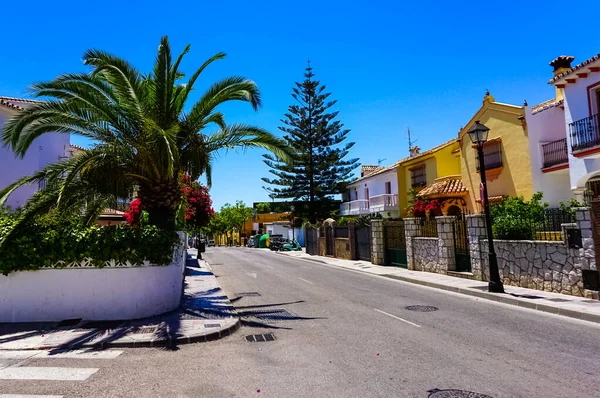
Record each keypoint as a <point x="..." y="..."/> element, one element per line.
<point x="478" y="133"/>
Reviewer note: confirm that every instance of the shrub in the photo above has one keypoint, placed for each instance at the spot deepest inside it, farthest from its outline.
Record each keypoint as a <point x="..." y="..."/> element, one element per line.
<point x="62" y="237"/>
<point x="515" y="218"/>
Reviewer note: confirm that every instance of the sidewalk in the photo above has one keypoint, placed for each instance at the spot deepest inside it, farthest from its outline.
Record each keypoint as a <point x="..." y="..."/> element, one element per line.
<point x="205" y="314"/>
<point x="555" y="303"/>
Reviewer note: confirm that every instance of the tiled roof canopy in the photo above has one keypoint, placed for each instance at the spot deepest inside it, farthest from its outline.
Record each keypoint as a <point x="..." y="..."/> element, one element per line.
<point x="13" y="103"/>
<point x="546" y="105"/>
<point x="445" y="186"/>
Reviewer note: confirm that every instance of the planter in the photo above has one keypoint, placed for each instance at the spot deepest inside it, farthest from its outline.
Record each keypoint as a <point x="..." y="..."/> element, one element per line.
<point x="117" y="292"/>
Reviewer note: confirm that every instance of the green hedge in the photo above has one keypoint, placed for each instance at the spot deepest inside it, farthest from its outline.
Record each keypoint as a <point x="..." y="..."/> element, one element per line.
<point x="53" y="238"/>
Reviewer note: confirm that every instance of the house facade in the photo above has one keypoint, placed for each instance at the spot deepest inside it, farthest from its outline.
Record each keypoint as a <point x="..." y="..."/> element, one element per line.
<point x="433" y="174"/>
<point x="375" y="191"/>
<point x="48" y="148"/>
<point x="578" y="87"/>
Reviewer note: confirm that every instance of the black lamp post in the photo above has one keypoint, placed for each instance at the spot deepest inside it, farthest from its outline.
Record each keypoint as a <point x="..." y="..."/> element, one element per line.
<point x="479" y="135"/>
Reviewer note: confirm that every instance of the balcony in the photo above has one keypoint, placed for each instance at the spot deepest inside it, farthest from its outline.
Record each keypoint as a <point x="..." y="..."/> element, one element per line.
<point x="555" y="153"/>
<point x="355" y="207"/>
<point x="492" y="160"/>
<point x="585" y="134"/>
<point x="383" y="203"/>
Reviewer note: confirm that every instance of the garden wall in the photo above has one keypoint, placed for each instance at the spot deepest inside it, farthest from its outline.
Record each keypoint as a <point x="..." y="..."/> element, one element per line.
<point x="425" y="255"/>
<point x="122" y="291"/>
<point x="342" y="248"/>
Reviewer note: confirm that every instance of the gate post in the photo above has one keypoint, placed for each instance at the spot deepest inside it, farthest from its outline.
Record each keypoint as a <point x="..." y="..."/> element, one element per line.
<point x="352" y="240"/>
<point x="378" y="249"/>
<point x="411" y="226"/>
<point x="447" y="258"/>
<point x="477" y="232"/>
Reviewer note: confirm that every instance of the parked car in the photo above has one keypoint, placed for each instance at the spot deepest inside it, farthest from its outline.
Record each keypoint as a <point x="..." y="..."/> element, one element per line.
<point x="211" y="243"/>
<point x="250" y="242"/>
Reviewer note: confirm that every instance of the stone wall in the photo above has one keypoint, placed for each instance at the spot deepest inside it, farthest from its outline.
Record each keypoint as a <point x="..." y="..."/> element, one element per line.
<point x="541" y="265"/>
<point x="378" y="248"/>
<point x="322" y="246"/>
<point x="342" y="248"/>
<point x="410" y="230"/>
<point x="425" y="255"/>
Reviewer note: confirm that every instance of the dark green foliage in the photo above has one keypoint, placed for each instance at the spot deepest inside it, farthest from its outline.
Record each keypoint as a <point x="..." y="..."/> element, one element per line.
<point x="262" y="208"/>
<point x="514" y="217"/>
<point x="319" y="170"/>
<point x="51" y="238"/>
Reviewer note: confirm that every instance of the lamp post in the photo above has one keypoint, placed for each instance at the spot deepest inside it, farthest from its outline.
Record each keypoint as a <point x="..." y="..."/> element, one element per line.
<point x="479" y="135"/>
<point x="292" y="208"/>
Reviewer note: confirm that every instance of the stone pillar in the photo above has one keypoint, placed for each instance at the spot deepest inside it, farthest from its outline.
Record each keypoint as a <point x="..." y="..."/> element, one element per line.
<point x="477" y="233"/>
<point x="579" y="194"/>
<point x="352" y="240"/>
<point x="446" y="259"/>
<point x="378" y="248"/>
<point x="587" y="253"/>
<point x="410" y="231"/>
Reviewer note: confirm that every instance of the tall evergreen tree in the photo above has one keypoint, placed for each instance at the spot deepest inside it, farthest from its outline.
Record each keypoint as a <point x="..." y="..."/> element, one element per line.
<point x="319" y="170"/>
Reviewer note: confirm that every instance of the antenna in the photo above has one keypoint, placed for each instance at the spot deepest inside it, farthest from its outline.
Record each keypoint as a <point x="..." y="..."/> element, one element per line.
<point x="410" y="142"/>
<point x="379" y="161"/>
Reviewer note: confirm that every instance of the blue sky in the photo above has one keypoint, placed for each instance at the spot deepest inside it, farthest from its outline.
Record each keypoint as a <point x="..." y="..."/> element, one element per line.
<point x="390" y="64"/>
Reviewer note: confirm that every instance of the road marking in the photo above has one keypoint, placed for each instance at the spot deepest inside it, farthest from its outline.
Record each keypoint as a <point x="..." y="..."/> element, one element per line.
<point x="46" y="373"/>
<point x="270" y="266"/>
<point x="29" y="396"/>
<point x="77" y="354"/>
<point x="398" y="318"/>
<point x="19" y="354"/>
<point x="306" y="281"/>
<point x="252" y="274"/>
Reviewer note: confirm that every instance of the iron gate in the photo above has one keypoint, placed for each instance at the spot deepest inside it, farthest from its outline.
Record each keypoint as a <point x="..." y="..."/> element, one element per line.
<point x="329" y="241"/>
<point x="462" y="253"/>
<point x="363" y="242"/>
<point x="312" y="241"/>
<point x="395" y="244"/>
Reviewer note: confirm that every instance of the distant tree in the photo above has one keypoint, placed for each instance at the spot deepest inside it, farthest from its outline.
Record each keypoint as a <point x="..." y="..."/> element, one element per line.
<point x="235" y="216"/>
<point x="262" y="208"/>
<point x="319" y="170"/>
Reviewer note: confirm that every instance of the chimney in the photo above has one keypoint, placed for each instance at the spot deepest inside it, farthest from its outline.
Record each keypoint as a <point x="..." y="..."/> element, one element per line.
<point x="366" y="170"/>
<point x="414" y="151"/>
<point x="561" y="64"/>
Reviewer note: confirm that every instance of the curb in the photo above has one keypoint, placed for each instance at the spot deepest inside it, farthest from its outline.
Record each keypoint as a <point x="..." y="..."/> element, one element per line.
<point x="502" y="298"/>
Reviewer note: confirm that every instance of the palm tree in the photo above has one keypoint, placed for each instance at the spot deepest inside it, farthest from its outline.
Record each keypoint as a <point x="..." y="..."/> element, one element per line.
<point x="144" y="138"/>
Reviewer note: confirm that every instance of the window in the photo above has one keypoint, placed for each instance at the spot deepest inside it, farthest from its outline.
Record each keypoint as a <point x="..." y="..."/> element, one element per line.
<point x="388" y="188"/>
<point x="367" y="193"/>
<point x="417" y="176"/>
<point x="598" y="102"/>
<point x="492" y="154"/>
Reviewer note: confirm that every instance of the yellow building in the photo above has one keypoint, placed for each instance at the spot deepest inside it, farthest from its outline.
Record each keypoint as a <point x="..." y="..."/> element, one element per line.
<point x="507" y="161"/>
<point x="432" y="174"/>
<point x="254" y="224"/>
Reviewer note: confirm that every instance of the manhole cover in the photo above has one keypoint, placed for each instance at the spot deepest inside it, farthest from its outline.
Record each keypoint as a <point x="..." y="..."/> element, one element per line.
<point x="260" y="338"/>
<point x="248" y="294"/>
<point x="271" y="315"/>
<point x="455" y="394"/>
<point x="422" y="308"/>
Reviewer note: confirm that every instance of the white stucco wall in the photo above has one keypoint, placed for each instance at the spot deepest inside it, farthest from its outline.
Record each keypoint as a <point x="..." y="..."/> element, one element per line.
<point x="91" y="293"/>
<point x="376" y="185"/>
<point x="46" y="149"/>
<point x="577" y="108"/>
<point x="543" y="127"/>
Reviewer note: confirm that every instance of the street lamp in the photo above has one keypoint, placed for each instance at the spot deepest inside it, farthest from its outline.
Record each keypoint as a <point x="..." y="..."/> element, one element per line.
<point x="479" y="135"/>
<point x="292" y="208"/>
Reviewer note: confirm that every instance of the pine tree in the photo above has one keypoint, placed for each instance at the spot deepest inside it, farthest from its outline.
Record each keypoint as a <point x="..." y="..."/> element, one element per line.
<point x="319" y="170"/>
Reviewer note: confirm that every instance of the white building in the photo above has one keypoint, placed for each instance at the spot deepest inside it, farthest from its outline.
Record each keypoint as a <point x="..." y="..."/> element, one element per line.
<point x="376" y="191"/>
<point x="49" y="148"/>
<point x="564" y="133"/>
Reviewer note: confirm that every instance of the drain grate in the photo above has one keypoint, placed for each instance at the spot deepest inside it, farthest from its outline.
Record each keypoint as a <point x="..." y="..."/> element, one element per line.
<point x="260" y="338"/>
<point x="212" y="325"/>
<point x="144" y="330"/>
<point x="68" y="322"/>
<point x="271" y="315"/>
<point x="435" y="393"/>
<point x="558" y="300"/>
<point x="422" y="308"/>
<point x="248" y="294"/>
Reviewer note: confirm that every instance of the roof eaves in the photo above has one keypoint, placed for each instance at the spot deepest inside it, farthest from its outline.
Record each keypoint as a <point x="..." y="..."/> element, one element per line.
<point x="574" y="69"/>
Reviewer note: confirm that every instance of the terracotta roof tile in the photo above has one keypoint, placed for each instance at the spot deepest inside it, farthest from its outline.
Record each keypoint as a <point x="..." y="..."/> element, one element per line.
<point x="366" y="170"/>
<point x="546" y="105"/>
<point x="445" y="186"/>
<point x="493" y="199"/>
<point x="575" y="68"/>
<point x="13" y="103"/>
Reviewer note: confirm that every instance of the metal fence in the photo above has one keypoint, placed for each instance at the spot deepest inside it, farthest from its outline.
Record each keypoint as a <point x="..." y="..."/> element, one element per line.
<point x="427" y="228"/>
<point x="544" y="227"/>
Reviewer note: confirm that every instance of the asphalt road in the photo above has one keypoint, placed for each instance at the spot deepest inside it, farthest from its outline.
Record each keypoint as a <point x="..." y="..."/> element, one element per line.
<point x="350" y="336"/>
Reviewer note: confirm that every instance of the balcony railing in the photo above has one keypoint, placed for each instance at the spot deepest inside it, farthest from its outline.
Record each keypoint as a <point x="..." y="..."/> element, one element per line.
<point x="493" y="160"/>
<point x="555" y="152"/>
<point x="383" y="202"/>
<point x="355" y="207"/>
<point x="585" y="133"/>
